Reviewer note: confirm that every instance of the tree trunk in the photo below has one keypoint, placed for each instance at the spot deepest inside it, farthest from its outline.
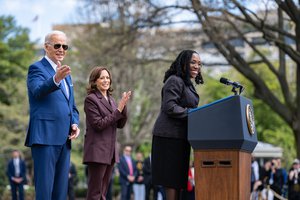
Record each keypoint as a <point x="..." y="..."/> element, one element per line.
<point x="296" y="120"/>
<point x="297" y="138"/>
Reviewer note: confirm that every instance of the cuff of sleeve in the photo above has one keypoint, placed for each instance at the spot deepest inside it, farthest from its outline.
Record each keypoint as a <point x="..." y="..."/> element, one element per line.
<point x="57" y="84"/>
<point x="118" y="114"/>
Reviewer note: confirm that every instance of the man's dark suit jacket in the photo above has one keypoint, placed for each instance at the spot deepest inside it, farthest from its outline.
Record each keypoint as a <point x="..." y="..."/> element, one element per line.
<point x="11" y="171"/>
<point x="124" y="170"/>
<point x="177" y="98"/>
<point x="147" y="171"/>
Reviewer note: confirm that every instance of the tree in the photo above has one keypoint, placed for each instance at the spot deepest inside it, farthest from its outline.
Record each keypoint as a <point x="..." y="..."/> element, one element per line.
<point x="16" y="53"/>
<point x="137" y="58"/>
<point x="237" y="17"/>
<point x="111" y="42"/>
<point x="271" y="30"/>
<point x="269" y="126"/>
<point x="277" y="26"/>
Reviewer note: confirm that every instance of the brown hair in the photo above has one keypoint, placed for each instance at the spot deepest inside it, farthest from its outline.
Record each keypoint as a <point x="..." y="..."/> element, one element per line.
<point x="94" y="75"/>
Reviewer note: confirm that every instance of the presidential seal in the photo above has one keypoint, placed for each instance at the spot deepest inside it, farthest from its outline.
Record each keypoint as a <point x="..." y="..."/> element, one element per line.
<point x="250" y="119"/>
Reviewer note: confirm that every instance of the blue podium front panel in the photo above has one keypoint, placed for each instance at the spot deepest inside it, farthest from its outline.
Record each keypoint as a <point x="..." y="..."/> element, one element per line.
<point x="224" y="124"/>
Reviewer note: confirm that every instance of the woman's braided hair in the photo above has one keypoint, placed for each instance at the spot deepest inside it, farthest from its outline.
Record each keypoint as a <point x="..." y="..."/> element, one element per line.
<point x="181" y="67"/>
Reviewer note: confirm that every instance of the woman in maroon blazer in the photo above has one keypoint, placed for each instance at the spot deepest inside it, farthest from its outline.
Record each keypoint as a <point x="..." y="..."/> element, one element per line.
<point x="103" y="117"/>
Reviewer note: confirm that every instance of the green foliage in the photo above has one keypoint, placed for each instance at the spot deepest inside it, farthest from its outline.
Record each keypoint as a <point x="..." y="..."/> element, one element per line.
<point x="271" y="128"/>
<point x="143" y="102"/>
<point x="76" y="158"/>
<point x="212" y="89"/>
<point x="16" y="53"/>
<point x="29" y="193"/>
<point x="3" y="179"/>
<point x="80" y="192"/>
<point x="145" y="149"/>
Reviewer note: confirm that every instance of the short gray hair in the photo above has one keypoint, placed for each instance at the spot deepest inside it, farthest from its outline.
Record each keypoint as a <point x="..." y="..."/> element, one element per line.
<point x="55" y="32"/>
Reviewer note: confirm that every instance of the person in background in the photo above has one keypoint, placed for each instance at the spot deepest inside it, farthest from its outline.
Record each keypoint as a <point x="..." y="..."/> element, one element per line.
<point x="189" y="192"/>
<point x="139" y="186"/>
<point x="294" y="181"/>
<point x="264" y="182"/>
<point x="284" y="174"/>
<point x="72" y="181"/>
<point x="158" y="190"/>
<point x="255" y="170"/>
<point x="191" y="183"/>
<point x="148" y="180"/>
<point x="276" y="180"/>
<point x="128" y="173"/>
<point x="53" y="120"/>
<point x="256" y="193"/>
<point x="16" y="173"/>
<point x="170" y="147"/>
<point x="103" y="117"/>
<point x="264" y="174"/>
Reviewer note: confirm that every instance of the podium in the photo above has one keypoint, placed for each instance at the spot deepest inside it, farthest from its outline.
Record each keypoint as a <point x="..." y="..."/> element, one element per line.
<point x="223" y="136"/>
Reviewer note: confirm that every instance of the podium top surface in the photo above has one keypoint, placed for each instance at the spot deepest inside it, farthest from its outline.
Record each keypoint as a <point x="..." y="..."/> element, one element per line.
<point x="211" y="104"/>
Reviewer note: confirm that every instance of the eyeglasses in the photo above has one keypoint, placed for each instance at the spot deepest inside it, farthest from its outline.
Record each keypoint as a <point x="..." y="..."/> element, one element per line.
<point x="195" y="63"/>
<point x="57" y="46"/>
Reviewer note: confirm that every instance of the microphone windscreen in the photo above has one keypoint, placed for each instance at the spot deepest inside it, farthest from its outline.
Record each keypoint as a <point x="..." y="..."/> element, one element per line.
<point x="224" y="80"/>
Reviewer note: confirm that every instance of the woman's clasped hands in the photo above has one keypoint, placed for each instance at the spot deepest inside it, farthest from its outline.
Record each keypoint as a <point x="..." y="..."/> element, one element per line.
<point x="124" y="100"/>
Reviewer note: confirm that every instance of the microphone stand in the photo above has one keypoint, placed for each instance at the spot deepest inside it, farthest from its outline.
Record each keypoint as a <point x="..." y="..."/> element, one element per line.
<point x="234" y="90"/>
<point x="241" y="89"/>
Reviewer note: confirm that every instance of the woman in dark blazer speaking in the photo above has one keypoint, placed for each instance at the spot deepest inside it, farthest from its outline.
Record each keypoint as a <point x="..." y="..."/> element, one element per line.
<point x="170" y="147"/>
<point x="103" y="117"/>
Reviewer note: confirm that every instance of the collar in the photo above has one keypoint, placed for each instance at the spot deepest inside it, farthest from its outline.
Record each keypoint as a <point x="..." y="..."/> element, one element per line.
<point x="127" y="157"/>
<point x="105" y="102"/>
<point x="53" y="65"/>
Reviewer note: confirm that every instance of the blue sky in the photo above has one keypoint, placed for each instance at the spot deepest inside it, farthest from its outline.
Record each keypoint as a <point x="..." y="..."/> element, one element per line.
<point x="40" y="15"/>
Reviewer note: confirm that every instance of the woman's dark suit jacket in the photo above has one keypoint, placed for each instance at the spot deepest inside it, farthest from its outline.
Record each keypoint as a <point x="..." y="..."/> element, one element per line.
<point x="177" y="98"/>
<point x="102" y="120"/>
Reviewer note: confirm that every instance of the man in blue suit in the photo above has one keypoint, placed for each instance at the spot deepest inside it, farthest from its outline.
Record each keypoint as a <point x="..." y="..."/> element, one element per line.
<point x="53" y="120"/>
<point x="16" y="173"/>
<point x="128" y="173"/>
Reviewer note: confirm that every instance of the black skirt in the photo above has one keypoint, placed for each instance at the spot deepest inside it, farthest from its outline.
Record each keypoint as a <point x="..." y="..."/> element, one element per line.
<point x="170" y="159"/>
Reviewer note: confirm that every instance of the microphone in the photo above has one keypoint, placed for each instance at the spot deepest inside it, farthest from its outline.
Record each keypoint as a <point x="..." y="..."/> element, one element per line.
<point x="229" y="82"/>
<point x="234" y="84"/>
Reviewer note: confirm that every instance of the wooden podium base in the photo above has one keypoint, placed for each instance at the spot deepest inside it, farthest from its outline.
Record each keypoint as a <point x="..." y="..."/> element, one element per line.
<point x="222" y="174"/>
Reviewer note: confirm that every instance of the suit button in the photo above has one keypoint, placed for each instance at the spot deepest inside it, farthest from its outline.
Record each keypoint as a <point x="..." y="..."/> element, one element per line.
<point x="69" y="114"/>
